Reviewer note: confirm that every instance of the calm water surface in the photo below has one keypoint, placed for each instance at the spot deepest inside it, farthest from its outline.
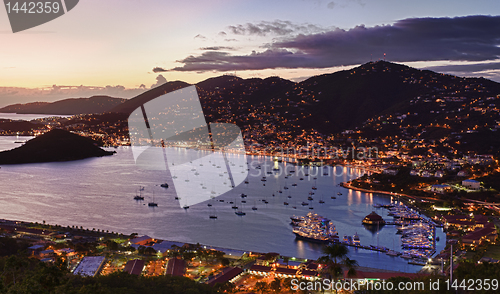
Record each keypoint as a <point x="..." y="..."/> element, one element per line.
<point x="98" y="193"/>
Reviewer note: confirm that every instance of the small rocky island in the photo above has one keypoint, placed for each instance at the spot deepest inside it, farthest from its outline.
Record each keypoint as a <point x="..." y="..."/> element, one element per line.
<point x="55" y="145"/>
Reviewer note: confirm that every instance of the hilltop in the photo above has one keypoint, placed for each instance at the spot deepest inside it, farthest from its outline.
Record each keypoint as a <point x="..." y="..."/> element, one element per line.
<point x="56" y="145"/>
<point x="372" y="101"/>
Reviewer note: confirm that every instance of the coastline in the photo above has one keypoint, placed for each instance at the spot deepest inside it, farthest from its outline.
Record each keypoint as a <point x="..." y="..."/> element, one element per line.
<point x="233" y="253"/>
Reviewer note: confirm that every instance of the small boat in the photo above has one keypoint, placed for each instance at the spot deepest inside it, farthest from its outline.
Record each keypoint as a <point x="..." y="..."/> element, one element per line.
<point x="266" y="202"/>
<point x="220" y="200"/>
<point x="254" y="207"/>
<point x="213" y="216"/>
<point x="314" y="188"/>
<point x="209" y="204"/>
<point x="406" y="256"/>
<point x="246" y="182"/>
<point x="333" y="197"/>
<point x="240" y="213"/>
<point x="243" y="195"/>
<point x="294" y="184"/>
<point x="176" y="197"/>
<point x="234" y="207"/>
<point x="355" y="239"/>
<point x="153" y="203"/>
<point x="301" y="179"/>
<point x="243" y="201"/>
<point x="289" y="196"/>
<point x="137" y="197"/>
<point x="392" y="253"/>
<point x="315" y="178"/>
<point x="294" y="207"/>
<point x="310" y="198"/>
<point x="339" y="193"/>
<point x="164" y="185"/>
<point x="305" y="203"/>
<point x="321" y="201"/>
<point x="310" y="207"/>
<point x="185" y="207"/>
<point x="285" y="203"/>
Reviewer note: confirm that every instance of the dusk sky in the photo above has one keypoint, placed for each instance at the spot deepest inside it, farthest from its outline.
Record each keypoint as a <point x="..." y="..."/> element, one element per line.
<point x="120" y="48"/>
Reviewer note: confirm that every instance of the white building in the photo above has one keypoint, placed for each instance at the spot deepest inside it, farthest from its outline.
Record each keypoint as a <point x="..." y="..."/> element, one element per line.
<point x="471" y="184"/>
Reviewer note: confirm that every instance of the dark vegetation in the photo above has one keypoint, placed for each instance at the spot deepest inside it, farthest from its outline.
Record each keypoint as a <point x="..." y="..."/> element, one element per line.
<point x="20" y="274"/>
<point x="56" y="145"/>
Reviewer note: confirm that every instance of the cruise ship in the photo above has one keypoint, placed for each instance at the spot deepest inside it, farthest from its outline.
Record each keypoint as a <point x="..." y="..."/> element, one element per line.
<point x="315" y="228"/>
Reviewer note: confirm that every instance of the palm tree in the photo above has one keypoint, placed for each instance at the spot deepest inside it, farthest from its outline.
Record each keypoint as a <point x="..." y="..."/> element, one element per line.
<point x="335" y="258"/>
<point x="261" y="286"/>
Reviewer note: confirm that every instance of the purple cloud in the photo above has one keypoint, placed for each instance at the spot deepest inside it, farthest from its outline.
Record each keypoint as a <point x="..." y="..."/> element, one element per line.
<point x="470" y="38"/>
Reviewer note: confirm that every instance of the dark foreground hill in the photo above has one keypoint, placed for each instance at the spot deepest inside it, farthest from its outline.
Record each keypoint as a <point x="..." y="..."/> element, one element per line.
<point x="94" y="104"/>
<point x="56" y="145"/>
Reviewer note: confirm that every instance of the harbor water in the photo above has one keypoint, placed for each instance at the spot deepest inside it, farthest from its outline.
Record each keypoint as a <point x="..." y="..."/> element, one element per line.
<point x="98" y="193"/>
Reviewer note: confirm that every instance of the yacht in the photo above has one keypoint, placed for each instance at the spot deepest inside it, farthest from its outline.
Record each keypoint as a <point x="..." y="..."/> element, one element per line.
<point x="355" y="239"/>
<point x="315" y="228"/>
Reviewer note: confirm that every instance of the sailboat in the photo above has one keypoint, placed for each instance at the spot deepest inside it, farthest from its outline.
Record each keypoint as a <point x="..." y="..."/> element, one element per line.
<point x="254" y="207"/>
<point x="213" y="215"/>
<point x="314" y="187"/>
<point x="153" y="204"/>
<point x="240" y="212"/>
<point x="139" y="197"/>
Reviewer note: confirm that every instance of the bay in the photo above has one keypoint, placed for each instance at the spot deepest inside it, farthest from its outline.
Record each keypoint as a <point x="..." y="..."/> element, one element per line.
<point x="98" y="193"/>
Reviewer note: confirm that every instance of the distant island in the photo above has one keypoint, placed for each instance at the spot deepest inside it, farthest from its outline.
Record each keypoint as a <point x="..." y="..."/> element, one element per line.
<point x="55" y="145"/>
<point x="70" y="106"/>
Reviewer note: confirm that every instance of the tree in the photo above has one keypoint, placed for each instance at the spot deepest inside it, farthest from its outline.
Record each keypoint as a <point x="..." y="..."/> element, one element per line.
<point x="261" y="286"/>
<point x="335" y="258"/>
<point x="276" y="285"/>
<point x="286" y="259"/>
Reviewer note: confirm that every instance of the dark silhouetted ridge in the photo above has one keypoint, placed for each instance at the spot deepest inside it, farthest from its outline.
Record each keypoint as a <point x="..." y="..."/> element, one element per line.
<point x="55" y="145"/>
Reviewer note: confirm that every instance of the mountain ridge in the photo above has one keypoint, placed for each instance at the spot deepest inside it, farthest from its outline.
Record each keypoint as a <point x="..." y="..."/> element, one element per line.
<point x="69" y="106"/>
